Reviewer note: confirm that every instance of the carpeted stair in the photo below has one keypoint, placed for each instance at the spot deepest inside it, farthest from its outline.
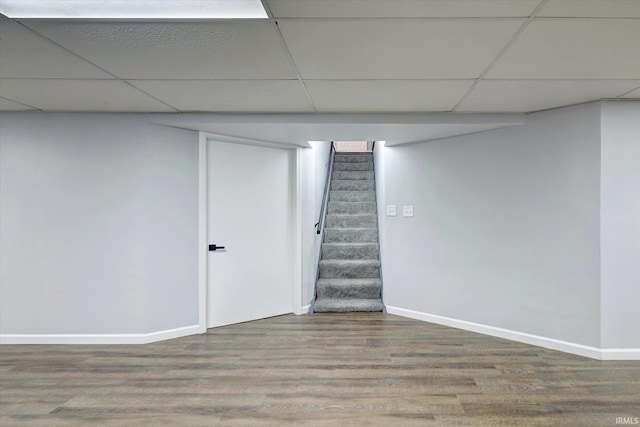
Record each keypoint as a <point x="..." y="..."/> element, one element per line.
<point x="349" y="276"/>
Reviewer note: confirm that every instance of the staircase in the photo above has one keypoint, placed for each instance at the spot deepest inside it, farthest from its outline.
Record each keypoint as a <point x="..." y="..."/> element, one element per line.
<point x="349" y="270"/>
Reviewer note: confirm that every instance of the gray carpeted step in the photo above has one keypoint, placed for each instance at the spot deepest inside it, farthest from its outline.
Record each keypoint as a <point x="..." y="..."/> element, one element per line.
<point x="361" y="166"/>
<point x="351" y="235"/>
<point x="352" y="185"/>
<point x="341" y="305"/>
<point x="349" y="269"/>
<point x="349" y="288"/>
<point x="352" y="208"/>
<point x="352" y="221"/>
<point x="352" y="175"/>
<point x="352" y="196"/>
<point x="350" y="251"/>
<point x="353" y="158"/>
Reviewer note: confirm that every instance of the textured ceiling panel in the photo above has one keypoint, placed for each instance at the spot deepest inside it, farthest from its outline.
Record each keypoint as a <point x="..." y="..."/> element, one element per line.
<point x="400" y="8"/>
<point x="386" y="95"/>
<point x="634" y="94"/>
<point x="395" y="49"/>
<point x="591" y="8"/>
<point x="573" y="49"/>
<point x="200" y="50"/>
<point x="532" y="95"/>
<point x="80" y="95"/>
<point x="8" y="105"/>
<point x="230" y="95"/>
<point x="25" y="54"/>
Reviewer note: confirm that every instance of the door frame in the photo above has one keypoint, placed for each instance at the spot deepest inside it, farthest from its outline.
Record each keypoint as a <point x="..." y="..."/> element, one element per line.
<point x="203" y="203"/>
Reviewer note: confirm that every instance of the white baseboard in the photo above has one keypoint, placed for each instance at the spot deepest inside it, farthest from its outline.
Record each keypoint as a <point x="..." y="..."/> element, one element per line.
<point x="304" y="309"/>
<point x="550" y="343"/>
<point x="99" y="338"/>
<point x="620" y="354"/>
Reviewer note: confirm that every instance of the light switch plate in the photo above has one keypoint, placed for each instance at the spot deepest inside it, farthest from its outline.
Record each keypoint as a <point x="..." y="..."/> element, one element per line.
<point x="391" y="210"/>
<point x="407" y="211"/>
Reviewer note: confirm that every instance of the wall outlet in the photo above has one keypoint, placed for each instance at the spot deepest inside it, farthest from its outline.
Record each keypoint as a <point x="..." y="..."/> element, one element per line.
<point x="407" y="211"/>
<point x="391" y="210"/>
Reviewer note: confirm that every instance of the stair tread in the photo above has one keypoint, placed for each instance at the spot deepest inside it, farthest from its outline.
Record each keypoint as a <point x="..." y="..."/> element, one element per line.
<point x="346" y="282"/>
<point x="351" y="244"/>
<point x="371" y="261"/>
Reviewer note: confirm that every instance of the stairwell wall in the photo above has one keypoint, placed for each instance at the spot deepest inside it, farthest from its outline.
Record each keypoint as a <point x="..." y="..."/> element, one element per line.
<point x="506" y="227"/>
<point x="99" y="227"/>
<point x="314" y="168"/>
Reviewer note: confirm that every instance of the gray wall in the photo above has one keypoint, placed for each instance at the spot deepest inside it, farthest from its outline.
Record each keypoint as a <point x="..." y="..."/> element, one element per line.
<point x="506" y="226"/>
<point x="620" y="225"/>
<point x="98" y="224"/>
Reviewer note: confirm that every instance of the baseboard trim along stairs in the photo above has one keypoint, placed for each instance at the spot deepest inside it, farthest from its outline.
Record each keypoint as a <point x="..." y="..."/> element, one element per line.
<point x="349" y="271"/>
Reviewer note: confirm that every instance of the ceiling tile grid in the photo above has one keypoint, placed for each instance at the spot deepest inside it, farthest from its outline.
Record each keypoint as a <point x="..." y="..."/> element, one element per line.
<point x="80" y="95"/>
<point x="229" y="95"/>
<point x="337" y="56"/>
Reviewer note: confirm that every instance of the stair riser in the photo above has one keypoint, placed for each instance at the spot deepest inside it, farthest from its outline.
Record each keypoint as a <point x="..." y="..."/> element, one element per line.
<point x="337" y="235"/>
<point x="364" y="166"/>
<point x="352" y="175"/>
<point x="356" y="291"/>
<point x="361" y="271"/>
<point x="353" y="158"/>
<point x="352" y="185"/>
<point x="351" y="221"/>
<point x="351" y="208"/>
<point x="350" y="252"/>
<point x="325" y="305"/>
<point x="352" y="196"/>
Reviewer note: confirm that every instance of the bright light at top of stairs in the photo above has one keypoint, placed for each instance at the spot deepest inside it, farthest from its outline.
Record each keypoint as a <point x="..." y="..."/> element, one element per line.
<point x="133" y="9"/>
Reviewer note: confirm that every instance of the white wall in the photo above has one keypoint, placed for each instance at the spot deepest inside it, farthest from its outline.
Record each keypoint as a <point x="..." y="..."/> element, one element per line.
<point x="506" y="226"/>
<point x="620" y="225"/>
<point x="379" y="171"/>
<point x="98" y="225"/>
<point x="314" y="169"/>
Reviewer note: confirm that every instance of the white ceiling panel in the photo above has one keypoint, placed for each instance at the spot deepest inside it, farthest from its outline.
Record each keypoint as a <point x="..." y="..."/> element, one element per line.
<point x="573" y="49"/>
<point x="8" y="105"/>
<point x="533" y="95"/>
<point x="634" y="94"/>
<point x="25" y="54"/>
<point x="80" y="95"/>
<point x="359" y="96"/>
<point x="591" y="9"/>
<point x="242" y="49"/>
<point x="230" y="95"/>
<point x="395" y="49"/>
<point x="400" y="8"/>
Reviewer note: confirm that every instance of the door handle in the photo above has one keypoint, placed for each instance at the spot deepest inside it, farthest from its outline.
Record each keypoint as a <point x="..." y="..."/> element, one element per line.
<point x="215" y="247"/>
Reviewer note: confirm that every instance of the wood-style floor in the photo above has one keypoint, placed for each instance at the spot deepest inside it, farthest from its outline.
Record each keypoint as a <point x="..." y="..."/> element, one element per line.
<point x="321" y="370"/>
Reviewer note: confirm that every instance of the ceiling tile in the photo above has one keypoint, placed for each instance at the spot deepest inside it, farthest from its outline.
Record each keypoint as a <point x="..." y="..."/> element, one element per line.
<point x="24" y="54"/>
<point x="241" y="49"/>
<point x="534" y="95"/>
<point x="358" y="96"/>
<point x="573" y="49"/>
<point x="8" y="105"/>
<point x="401" y="8"/>
<point x="395" y="49"/>
<point x="591" y="8"/>
<point x="634" y="94"/>
<point x="80" y="95"/>
<point x="230" y="95"/>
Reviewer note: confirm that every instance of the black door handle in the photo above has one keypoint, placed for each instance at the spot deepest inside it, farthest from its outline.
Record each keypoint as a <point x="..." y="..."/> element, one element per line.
<point x="215" y="247"/>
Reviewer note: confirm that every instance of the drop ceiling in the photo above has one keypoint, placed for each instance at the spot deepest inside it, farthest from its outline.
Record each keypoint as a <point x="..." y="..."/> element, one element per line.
<point x="331" y="57"/>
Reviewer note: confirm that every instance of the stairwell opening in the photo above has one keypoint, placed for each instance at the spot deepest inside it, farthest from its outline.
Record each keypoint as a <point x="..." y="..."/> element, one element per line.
<point x="349" y="276"/>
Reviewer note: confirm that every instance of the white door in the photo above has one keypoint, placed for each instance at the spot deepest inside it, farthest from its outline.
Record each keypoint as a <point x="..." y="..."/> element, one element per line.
<point x="250" y="214"/>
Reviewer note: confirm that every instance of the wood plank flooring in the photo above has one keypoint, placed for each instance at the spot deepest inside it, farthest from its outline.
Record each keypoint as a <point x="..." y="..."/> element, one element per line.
<point x="353" y="369"/>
